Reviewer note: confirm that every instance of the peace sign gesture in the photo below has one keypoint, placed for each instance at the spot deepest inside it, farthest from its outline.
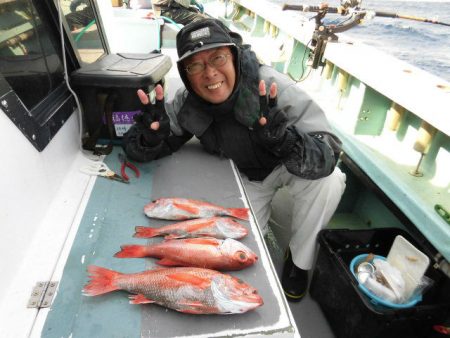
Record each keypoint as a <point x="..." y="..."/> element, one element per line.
<point x="271" y="126"/>
<point x="153" y="119"/>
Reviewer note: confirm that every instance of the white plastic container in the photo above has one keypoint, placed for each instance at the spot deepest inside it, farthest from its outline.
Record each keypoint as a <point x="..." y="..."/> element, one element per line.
<point x="411" y="262"/>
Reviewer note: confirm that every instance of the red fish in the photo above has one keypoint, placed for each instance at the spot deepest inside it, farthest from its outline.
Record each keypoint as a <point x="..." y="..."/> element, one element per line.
<point x="217" y="227"/>
<point x="182" y="208"/>
<point x="189" y="290"/>
<point x="210" y="253"/>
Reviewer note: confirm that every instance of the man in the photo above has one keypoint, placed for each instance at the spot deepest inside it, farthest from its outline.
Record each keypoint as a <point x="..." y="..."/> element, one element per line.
<point x="280" y="140"/>
<point x="180" y="11"/>
<point x="77" y="19"/>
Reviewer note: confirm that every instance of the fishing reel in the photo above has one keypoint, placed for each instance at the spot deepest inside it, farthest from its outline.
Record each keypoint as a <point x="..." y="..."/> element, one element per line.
<point x="350" y="3"/>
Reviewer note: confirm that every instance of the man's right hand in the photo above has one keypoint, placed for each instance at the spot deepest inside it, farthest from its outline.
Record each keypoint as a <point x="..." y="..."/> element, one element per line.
<point x="153" y="119"/>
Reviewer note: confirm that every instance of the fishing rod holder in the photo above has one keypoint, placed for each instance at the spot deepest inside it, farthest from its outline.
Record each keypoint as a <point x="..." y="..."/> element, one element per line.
<point x="327" y="33"/>
<point x="324" y="33"/>
<point x="321" y="35"/>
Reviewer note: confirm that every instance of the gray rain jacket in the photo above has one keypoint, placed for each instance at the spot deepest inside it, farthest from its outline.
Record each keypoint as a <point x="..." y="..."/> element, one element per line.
<point x="311" y="153"/>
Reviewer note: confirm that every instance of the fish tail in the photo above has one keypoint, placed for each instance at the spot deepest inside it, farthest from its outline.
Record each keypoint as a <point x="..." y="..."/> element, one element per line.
<point x="101" y="281"/>
<point x="241" y="213"/>
<point x="145" y="232"/>
<point x="132" y="251"/>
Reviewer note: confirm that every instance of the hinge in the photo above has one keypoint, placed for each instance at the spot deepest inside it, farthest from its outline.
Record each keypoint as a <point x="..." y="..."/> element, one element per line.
<point x="42" y="295"/>
<point x="442" y="264"/>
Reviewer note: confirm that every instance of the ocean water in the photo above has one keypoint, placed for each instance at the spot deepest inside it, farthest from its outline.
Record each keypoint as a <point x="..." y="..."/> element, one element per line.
<point x="425" y="45"/>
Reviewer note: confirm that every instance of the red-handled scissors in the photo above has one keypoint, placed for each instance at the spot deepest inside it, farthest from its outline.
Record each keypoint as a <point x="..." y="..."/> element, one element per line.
<point x="124" y="164"/>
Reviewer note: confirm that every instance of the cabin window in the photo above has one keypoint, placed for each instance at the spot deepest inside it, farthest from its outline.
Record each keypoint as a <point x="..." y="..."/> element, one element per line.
<point x="81" y="19"/>
<point x="33" y="92"/>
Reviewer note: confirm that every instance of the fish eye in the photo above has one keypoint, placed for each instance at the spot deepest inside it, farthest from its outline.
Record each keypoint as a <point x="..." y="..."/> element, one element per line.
<point x="241" y="255"/>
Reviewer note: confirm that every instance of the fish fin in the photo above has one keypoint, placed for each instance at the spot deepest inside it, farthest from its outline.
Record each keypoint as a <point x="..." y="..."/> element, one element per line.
<point x="190" y="209"/>
<point x="195" y="308"/>
<point x="101" y="281"/>
<point x="140" y="299"/>
<point x="132" y="251"/>
<point x="173" y="236"/>
<point x="145" y="232"/>
<point x="192" y="304"/>
<point x="192" y="311"/>
<point x="202" y="224"/>
<point x="168" y="262"/>
<point x="202" y="283"/>
<point x="205" y="240"/>
<point x="241" y="213"/>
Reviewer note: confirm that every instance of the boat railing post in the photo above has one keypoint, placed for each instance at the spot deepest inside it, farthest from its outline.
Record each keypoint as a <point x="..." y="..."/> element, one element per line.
<point x="394" y="117"/>
<point x="425" y="136"/>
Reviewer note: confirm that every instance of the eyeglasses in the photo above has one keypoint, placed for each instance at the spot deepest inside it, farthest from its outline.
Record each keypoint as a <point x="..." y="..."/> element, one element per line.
<point x="216" y="61"/>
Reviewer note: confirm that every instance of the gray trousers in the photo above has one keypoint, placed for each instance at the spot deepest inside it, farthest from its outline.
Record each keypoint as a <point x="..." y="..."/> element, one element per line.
<point x="315" y="202"/>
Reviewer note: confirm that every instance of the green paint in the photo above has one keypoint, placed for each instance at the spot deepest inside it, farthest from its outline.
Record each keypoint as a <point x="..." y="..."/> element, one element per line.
<point x="79" y="35"/>
<point x="372" y="114"/>
<point x="279" y="66"/>
<point x="241" y="11"/>
<point x="297" y="64"/>
<point x="408" y="120"/>
<point x="334" y="75"/>
<point x="114" y="209"/>
<point x="258" y="29"/>
<point x="442" y="212"/>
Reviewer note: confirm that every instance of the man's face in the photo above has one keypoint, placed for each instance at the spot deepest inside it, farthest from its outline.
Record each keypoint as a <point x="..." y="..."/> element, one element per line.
<point x="216" y="81"/>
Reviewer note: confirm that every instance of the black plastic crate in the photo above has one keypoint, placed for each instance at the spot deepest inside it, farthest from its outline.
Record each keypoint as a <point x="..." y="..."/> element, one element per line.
<point x="107" y="89"/>
<point x="349" y="312"/>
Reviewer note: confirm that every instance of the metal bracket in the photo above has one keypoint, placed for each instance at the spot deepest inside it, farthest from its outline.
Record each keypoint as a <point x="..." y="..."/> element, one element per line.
<point x="442" y="264"/>
<point x="42" y="295"/>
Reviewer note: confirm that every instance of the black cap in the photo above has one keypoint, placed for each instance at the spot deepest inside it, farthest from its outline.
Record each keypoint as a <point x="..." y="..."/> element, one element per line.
<point x="202" y="35"/>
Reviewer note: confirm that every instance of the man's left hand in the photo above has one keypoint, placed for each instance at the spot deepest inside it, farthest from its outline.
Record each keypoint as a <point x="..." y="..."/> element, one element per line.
<point x="270" y="128"/>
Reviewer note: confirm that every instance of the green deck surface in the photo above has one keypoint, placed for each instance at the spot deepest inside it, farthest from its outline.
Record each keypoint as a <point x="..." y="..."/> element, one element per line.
<point x="404" y="190"/>
<point x="114" y="209"/>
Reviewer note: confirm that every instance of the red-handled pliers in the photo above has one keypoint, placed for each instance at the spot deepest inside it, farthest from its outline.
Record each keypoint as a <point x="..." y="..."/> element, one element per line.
<point x="124" y="164"/>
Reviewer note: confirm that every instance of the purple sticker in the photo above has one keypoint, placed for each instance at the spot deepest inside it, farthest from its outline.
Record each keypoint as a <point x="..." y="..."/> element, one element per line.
<point x="124" y="117"/>
<point x="122" y="121"/>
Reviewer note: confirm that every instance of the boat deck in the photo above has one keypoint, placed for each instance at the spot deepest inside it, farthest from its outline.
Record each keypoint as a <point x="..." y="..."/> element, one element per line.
<point x="108" y="221"/>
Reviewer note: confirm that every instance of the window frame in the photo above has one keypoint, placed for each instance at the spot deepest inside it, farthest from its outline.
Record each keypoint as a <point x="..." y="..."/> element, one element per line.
<point x="41" y="123"/>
